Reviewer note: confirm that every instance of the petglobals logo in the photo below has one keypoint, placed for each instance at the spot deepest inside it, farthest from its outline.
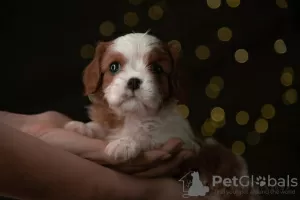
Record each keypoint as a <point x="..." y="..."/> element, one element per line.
<point x="265" y="184"/>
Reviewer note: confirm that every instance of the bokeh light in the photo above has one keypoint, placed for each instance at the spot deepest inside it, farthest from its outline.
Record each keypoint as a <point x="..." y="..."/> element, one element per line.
<point x="261" y="125"/>
<point x="135" y="2"/>
<point x="107" y="28"/>
<point x="155" y="12"/>
<point x="253" y="138"/>
<point x="87" y="51"/>
<point x="280" y="46"/>
<point x="208" y="128"/>
<point x="242" y="118"/>
<point x="241" y="56"/>
<point x="282" y="3"/>
<point x="202" y="52"/>
<point x="212" y="90"/>
<point x="268" y="111"/>
<point x="287" y="76"/>
<point x="290" y="96"/>
<point x="131" y="19"/>
<point x="217" y="114"/>
<point x="217" y="80"/>
<point x="183" y="110"/>
<point x="224" y="34"/>
<point x="238" y="147"/>
<point x="213" y="4"/>
<point x="175" y="43"/>
<point x="233" y="3"/>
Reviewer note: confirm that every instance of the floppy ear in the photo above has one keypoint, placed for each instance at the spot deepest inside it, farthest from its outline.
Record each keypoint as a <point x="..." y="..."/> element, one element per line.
<point x="177" y="75"/>
<point x="92" y="73"/>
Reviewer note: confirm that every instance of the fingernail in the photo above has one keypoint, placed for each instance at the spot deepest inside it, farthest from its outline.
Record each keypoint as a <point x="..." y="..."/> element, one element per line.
<point x="165" y="157"/>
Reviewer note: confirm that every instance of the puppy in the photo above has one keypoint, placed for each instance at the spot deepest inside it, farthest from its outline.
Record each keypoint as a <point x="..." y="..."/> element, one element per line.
<point x="133" y="97"/>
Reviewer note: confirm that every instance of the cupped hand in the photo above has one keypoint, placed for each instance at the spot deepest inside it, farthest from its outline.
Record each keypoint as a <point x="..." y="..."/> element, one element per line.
<point x="48" y="127"/>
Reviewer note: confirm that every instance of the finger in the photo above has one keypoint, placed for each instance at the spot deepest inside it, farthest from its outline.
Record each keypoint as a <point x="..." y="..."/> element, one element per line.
<point x="168" y="167"/>
<point x="85" y="147"/>
<point x="150" y="157"/>
<point x="173" y="145"/>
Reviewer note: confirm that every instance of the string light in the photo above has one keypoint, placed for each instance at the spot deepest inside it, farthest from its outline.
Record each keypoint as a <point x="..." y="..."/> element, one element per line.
<point x="202" y="52"/>
<point x="224" y="34"/>
<point x="268" y="111"/>
<point x="213" y="4"/>
<point x="131" y="19"/>
<point x="87" y="51"/>
<point x="282" y="3"/>
<point x="233" y="3"/>
<point x="290" y="96"/>
<point x="241" y="56"/>
<point x="242" y="118"/>
<point x="280" y="46"/>
<point x="238" y="147"/>
<point x="217" y="114"/>
<point x="155" y="12"/>
<point x="107" y="28"/>
<point x="261" y="125"/>
<point x="183" y="110"/>
<point x="135" y="2"/>
<point x="176" y="44"/>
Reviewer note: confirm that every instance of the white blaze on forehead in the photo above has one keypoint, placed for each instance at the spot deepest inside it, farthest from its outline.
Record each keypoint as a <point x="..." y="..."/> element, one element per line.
<point x="135" y="46"/>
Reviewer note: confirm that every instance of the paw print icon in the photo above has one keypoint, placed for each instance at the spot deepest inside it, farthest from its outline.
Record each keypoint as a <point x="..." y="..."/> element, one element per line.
<point x="261" y="181"/>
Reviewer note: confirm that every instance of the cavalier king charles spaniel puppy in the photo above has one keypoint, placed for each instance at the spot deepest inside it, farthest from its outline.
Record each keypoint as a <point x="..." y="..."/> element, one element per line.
<point x="133" y="103"/>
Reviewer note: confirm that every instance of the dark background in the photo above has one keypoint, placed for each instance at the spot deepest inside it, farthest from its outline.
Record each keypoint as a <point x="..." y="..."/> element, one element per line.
<point x="42" y="65"/>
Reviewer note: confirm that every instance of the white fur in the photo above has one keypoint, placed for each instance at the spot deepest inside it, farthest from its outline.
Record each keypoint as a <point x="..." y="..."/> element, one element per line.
<point x="144" y="128"/>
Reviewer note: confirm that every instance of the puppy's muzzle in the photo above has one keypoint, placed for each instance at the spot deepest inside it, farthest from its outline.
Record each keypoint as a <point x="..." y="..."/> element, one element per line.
<point x="134" y="83"/>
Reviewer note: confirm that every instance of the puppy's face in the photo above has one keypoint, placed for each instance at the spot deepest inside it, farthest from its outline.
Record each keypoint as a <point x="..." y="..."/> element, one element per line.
<point x="133" y="73"/>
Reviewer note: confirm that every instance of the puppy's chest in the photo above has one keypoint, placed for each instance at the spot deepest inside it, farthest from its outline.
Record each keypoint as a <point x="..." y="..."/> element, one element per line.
<point x="144" y="126"/>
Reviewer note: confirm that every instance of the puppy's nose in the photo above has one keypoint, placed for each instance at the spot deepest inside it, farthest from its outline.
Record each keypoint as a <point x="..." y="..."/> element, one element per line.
<point x="134" y="83"/>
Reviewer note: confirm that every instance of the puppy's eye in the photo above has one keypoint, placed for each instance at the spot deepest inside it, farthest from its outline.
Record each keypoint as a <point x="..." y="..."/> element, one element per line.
<point x="114" y="67"/>
<point x="156" y="68"/>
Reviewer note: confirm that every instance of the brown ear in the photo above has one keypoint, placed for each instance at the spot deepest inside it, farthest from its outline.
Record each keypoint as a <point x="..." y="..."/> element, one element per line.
<point x="178" y="77"/>
<point x="92" y="73"/>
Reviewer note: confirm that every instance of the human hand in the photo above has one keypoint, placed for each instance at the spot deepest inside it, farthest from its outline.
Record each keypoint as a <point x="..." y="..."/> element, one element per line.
<point x="158" y="162"/>
<point x="48" y="127"/>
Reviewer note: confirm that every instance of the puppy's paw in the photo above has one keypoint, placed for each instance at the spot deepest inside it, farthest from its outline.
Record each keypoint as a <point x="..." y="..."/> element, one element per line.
<point x="80" y="127"/>
<point x="123" y="149"/>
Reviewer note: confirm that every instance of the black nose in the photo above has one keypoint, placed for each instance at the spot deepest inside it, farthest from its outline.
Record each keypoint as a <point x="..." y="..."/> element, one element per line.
<point x="134" y="83"/>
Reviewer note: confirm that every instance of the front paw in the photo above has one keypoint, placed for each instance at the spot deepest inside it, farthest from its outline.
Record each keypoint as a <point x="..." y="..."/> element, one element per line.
<point x="79" y="127"/>
<point x="123" y="149"/>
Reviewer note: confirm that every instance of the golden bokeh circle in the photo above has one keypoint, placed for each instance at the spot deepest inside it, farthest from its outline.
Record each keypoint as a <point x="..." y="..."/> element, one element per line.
<point x="290" y="96"/>
<point x="233" y="3"/>
<point x="107" y="28"/>
<point x="253" y="138"/>
<point x="261" y="125"/>
<point x="282" y="3"/>
<point x="241" y="56"/>
<point x="217" y="80"/>
<point x="280" y="46"/>
<point x="217" y="114"/>
<point x="183" y="110"/>
<point x="202" y="52"/>
<point x="87" y="51"/>
<point x="213" y="4"/>
<point x="268" y="111"/>
<point x="224" y="34"/>
<point x="155" y="12"/>
<point x="288" y="70"/>
<point x="175" y="43"/>
<point x="286" y="79"/>
<point x="208" y="128"/>
<point x="135" y="2"/>
<point x="242" y="118"/>
<point x="238" y="148"/>
<point x="131" y="19"/>
<point x="212" y="91"/>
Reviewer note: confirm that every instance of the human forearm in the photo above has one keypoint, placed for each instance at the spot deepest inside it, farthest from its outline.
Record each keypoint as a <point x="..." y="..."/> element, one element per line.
<point x="31" y="169"/>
